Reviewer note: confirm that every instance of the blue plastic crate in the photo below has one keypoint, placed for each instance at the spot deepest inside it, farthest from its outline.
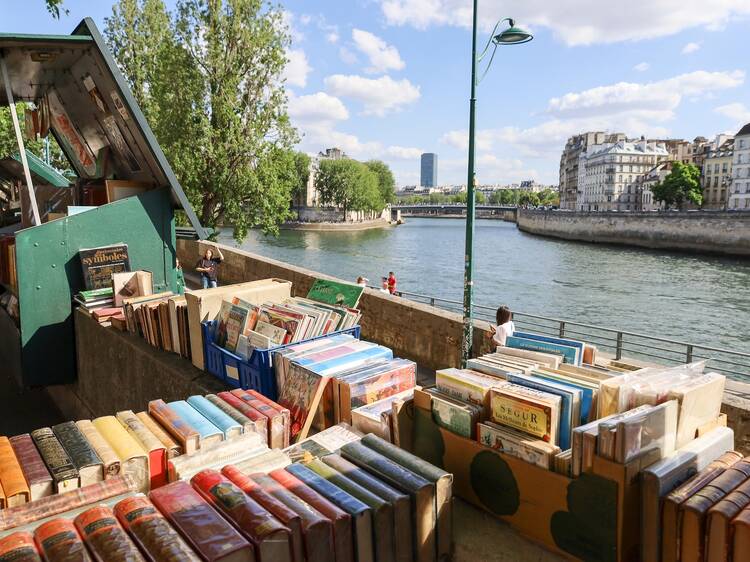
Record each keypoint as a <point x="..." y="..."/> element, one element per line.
<point x="255" y="372"/>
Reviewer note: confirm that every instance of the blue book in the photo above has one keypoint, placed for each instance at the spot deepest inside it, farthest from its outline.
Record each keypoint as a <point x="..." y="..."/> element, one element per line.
<point x="362" y="516"/>
<point x="212" y="413"/>
<point x="209" y="433"/>
<point x="570" y="403"/>
<point x="327" y="368"/>
<point x="550" y="339"/>
<point x="569" y="354"/>
<point x="587" y="395"/>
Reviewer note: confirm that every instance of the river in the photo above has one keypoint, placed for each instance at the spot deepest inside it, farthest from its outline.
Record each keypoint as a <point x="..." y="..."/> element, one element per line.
<point x="698" y="299"/>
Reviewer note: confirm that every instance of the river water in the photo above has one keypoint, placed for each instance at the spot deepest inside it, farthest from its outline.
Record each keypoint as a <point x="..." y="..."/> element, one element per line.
<point x="699" y="299"/>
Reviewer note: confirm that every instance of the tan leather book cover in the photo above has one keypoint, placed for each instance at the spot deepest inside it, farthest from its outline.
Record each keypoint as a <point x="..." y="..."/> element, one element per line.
<point x="718" y="523"/>
<point x="110" y="460"/>
<point x="12" y="480"/>
<point x="173" y="448"/>
<point x="740" y="532"/>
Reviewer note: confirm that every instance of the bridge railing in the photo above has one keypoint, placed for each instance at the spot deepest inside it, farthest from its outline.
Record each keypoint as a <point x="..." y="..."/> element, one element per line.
<point x="620" y="343"/>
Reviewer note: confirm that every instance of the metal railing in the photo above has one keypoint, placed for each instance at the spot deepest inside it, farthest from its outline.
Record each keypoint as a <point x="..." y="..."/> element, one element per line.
<point x="620" y="343"/>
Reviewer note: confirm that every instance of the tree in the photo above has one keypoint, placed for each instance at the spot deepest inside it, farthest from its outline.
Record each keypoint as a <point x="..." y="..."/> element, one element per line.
<point x="349" y="185"/>
<point x="549" y="197"/>
<point x="528" y="198"/>
<point x="54" y="7"/>
<point x="302" y="169"/>
<point x="480" y="198"/>
<point x="681" y="185"/>
<point x="386" y="182"/>
<point x="209" y="80"/>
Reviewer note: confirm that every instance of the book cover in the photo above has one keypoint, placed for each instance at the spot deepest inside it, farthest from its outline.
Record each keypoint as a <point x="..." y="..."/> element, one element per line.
<point x="84" y="457"/>
<point x="235" y="325"/>
<point x="234" y="451"/>
<point x="466" y="385"/>
<point x="457" y="417"/>
<point x="334" y="292"/>
<point x="536" y="413"/>
<point x="655" y="428"/>
<point x="59" y="540"/>
<point x="271" y="538"/>
<point x="157" y="453"/>
<point x="699" y="402"/>
<point x="275" y="425"/>
<point x="207" y="532"/>
<point x="12" y="480"/>
<point x="569" y="354"/>
<point x="170" y="445"/>
<point x="222" y="318"/>
<point x="741" y="536"/>
<point x="719" y="519"/>
<point x="105" y="537"/>
<point x="187" y="436"/>
<point x="301" y="395"/>
<point x="98" y="264"/>
<point x="245" y="423"/>
<point x="341" y="521"/>
<point x="260" y="422"/>
<point x="577" y="345"/>
<point x="209" y="433"/>
<point x="19" y="547"/>
<point x="151" y="532"/>
<point x="356" y="391"/>
<point x="285" y="415"/>
<point x="58" y="462"/>
<point x="517" y="443"/>
<point x="133" y="457"/>
<point x="276" y="334"/>
<point x="228" y="426"/>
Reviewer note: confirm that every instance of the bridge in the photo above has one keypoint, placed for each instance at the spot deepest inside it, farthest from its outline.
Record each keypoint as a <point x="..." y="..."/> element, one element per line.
<point x="500" y="212"/>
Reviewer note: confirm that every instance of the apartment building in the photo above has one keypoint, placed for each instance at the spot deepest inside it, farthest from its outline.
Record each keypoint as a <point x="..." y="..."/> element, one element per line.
<point x="717" y="175"/>
<point x="739" y="198"/>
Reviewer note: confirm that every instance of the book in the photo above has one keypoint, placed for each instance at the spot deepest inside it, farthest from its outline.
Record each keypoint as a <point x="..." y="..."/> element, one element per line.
<point x="157" y="453"/>
<point x="272" y="540"/>
<point x="110" y="461"/>
<point x="150" y="530"/>
<point x="301" y="394"/>
<point x="208" y="533"/>
<point x="699" y="402"/>
<point x="35" y="472"/>
<point x="260" y="421"/>
<point x="12" y="479"/>
<point x="285" y="414"/>
<point x="50" y="506"/>
<point x="129" y="284"/>
<point x="277" y="335"/>
<point x="275" y="424"/>
<point x="370" y="385"/>
<point x="226" y="424"/>
<point x="133" y="457"/>
<point x="577" y="345"/>
<point x="58" y="462"/>
<point x="655" y="428"/>
<point x="98" y="264"/>
<point x="741" y="536"/>
<point x="328" y="441"/>
<point x="695" y="508"/>
<point x="550" y="360"/>
<point x="568" y="353"/>
<point x="87" y="462"/>
<point x="561" y="463"/>
<point x="105" y="537"/>
<point x="534" y="412"/>
<point x="171" y="446"/>
<point x="209" y="434"/>
<point x="360" y="513"/>
<point x="667" y="474"/>
<point x="341" y="521"/>
<point x="264" y="462"/>
<point x="187" y="436"/>
<point x="516" y="443"/>
<point x="442" y="481"/>
<point x="334" y="292"/>
<point x="19" y="546"/>
<point x="454" y="415"/>
<point x="402" y="421"/>
<point x="226" y="452"/>
<point x="466" y="385"/>
<point x="718" y="523"/>
<point x="59" y="540"/>
<point x="245" y="423"/>
<point x="421" y="491"/>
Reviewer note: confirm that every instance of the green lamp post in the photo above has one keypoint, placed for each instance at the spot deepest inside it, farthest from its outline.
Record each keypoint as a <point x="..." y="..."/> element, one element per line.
<point x="511" y="36"/>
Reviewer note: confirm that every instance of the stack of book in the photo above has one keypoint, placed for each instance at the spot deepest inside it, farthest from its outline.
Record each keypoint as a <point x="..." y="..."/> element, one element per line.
<point x="90" y="300"/>
<point x="161" y="319"/>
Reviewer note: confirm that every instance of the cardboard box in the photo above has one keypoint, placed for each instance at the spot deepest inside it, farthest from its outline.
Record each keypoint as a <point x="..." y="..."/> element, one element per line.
<point x="204" y="304"/>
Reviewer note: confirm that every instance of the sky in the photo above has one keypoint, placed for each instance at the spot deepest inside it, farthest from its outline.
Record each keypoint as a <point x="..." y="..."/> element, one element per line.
<point x="390" y="79"/>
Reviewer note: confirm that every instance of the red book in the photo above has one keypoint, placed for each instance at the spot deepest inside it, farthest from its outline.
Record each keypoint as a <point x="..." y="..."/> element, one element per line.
<point x="104" y="536"/>
<point x="283" y="411"/>
<point x="271" y="538"/>
<point x="260" y="421"/>
<point x="343" y="544"/>
<point x="58" y="541"/>
<point x="105" y="313"/>
<point x="207" y="532"/>
<point x="34" y="470"/>
<point x="19" y="547"/>
<point x="275" y="419"/>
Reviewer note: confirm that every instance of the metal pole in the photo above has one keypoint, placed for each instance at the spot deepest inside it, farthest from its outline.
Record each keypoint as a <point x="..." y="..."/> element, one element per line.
<point x="468" y="258"/>
<point x="19" y="140"/>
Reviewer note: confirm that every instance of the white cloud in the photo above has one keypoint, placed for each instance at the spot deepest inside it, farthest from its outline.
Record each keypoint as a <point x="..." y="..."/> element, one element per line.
<point x="347" y="56"/>
<point x="379" y="96"/>
<point x="319" y="109"/>
<point x="737" y="112"/>
<point x="691" y="48"/>
<point x="403" y="152"/>
<point x="297" y="68"/>
<point x="642" y="66"/>
<point x="575" y="22"/>
<point x="382" y="56"/>
<point x="332" y="37"/>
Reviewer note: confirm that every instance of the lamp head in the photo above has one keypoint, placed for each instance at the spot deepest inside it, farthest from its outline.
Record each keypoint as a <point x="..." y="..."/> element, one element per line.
<point x="512" y="36"/>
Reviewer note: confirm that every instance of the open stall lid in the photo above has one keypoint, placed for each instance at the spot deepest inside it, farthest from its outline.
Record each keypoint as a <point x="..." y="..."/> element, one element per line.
<point x="85" y="102"/>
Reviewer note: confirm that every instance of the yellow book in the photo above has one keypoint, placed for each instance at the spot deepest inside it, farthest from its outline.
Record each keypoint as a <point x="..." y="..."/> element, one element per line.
<point x="157" y="453"/>
<point x="133" y="458"/>
<point x="11" y="476"/>
<point x="110" y="460"/>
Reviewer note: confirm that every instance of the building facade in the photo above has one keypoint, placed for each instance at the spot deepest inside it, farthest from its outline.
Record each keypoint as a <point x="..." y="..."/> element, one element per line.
<point x="428" y="169"/>
<point x="610" y="174"/>
<point x="310" y="196"/>
<point x="739" y="197"/>
<point x="717" y="175"/>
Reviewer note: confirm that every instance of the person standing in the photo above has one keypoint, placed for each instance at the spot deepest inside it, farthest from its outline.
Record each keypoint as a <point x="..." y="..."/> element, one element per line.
<point x="504" y="328"/>
<point x="362" y="281"/>
<point x="391" y="282"/>
<point x="384" y="286"/>
<point x="208" y="267"/>
<point x="180" y="278"/>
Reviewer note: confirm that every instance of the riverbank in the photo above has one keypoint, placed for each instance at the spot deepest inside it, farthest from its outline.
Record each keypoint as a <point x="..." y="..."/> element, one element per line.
<point x="722" y="233"/>
<point x="337" y="226"/>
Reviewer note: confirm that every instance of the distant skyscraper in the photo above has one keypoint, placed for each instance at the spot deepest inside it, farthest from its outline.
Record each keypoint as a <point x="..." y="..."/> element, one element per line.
<point x="429" y="170"/>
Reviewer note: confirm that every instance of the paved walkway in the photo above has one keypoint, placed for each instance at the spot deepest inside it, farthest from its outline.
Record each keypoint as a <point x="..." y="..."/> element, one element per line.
<point x="25" y="410"/>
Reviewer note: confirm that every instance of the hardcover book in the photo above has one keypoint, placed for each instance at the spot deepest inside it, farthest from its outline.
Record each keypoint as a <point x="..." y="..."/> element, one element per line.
<point x="454" y="415"/>
<point x="157" y="453"/>
<point x="569" y="354"/>
<point x="285" y="414"/>
<point x="466" y="385"/>
<point x="133" y="457"/>
<point x="226" y="452"/>
<point x="209" y="434"/>
<point x="241" y="419"/>
<point x="207" y="532"/>
<point x="376" y="417"/>
<point x="110" y="461"/>
<point x="35" y="472"/>
<point x="513" y="442"/>
<point x="700" y="402"/>
<point x="653" y="429"/>
<point x="104" y="536"/>
<point x="58" y="462"/>
<point x="260" y="422"/>
<point x="151" y="532"/>
<point x="534" y="412"/>
<point x="340" y="520"/>
<point x="235" y="325"/>
<point x="360" y="389"/>
<point x="12" y="480"/>
<point x="187" y="436"/>
<point x="271" y="538"/>
<point x="577" y="345"/>
<point x="275" y="422"/>
<point x="98" y="264"/>
<point x="84" y="457"/>
<point x="58" y="540"/>
<point x="19" y="547"/>
<point x="265" y="462"/>
<point x="301" y="395"/>
<point x="719" y="519"/>
<point x="550" y="360"/>
<point x="228" y="426"/>
<point x="741" y="536"/>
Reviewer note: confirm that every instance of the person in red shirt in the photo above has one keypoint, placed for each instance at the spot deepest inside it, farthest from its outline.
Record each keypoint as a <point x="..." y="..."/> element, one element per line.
<point x="391" y="282"/>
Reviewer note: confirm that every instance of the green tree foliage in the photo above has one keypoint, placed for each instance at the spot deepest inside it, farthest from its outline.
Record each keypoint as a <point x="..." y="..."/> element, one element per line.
<point x="480" y="198"/>
<point x="54" y="7"/>
<point x="528" y="199"/>
<point x="386" y="182"/>
<point x="549" y="197"/>
<point x="349" y="185"/>
<point x="9" y="145"/>
<point x="302" y="169"/>
<point x="209" y="80"/>
<point x="682" y="185"/>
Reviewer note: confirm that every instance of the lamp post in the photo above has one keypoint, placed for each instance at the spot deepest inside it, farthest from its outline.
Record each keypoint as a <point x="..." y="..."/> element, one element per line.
<point x="510" y="36"/>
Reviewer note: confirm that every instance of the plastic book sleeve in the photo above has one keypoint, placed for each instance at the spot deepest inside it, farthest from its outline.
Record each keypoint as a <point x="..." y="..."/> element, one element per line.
<point x="105" y="537"/>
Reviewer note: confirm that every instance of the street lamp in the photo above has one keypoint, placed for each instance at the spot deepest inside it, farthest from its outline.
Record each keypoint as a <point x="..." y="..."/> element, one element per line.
<point x="511" y="36"/>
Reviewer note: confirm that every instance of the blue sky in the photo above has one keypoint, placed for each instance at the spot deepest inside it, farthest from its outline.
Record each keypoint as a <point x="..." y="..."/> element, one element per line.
<point x="389" y="79"/>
